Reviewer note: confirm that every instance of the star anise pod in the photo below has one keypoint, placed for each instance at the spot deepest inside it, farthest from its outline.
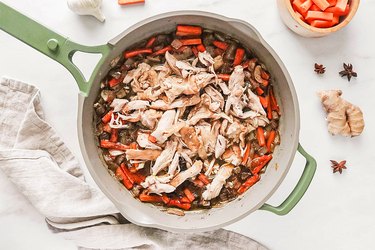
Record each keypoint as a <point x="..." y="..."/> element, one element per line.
<point x="319" y="68"/>
<point x="338" y="166"/>
<point x="348" y="71"/>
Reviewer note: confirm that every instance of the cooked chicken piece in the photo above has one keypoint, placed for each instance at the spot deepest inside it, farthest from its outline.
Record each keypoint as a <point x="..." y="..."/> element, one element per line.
<point x="163" y="72"/>
<point x="165" y="122"/>
<point x="145" y="154"/>
<point x="215" y="96"/>
<point x="175" y="128"/>
<point x="117" y="121"/>
<point x="233" y="155"/>
<point x="129" y="76"/>
<point x="175" y="86"/>
<point x="208" y="135"/>
<point x="210" y="167"/>
<point x="156" y="186"/>
<point x="203" y="79"/>
<point x="218" y="62"/>
<point x="174" y="167"/>
<point x="187" y="69"/>
<point x="144" y="142"/>
<point x="184" y="101"/>
<point x="189" y="173"/>
<point x="221" y="145"/>
<point x="206" y="59"/>
<point x="171" y="60"/>
<point x="214" y="188"/>
<point x="191" y="140"/>
<point x="237" y="77"/>
<point x="234" y="130"/>
<point x="254" y="103"/>
<point x="165" y="157"/>
<point x="234" y="101"/>
<point x="223" y="127"/>
<point x="117" y="104"/>
<point x="150" y="94"/>
<point x="223" y="86"/>
<point x="150" y="117"/>
<point x="115" y="152"/>
<point x="135" y="105"/>
<point x="140" y="77"/>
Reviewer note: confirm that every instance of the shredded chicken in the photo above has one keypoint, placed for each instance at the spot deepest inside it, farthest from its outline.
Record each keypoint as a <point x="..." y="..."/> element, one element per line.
<point x="214" y="188"/>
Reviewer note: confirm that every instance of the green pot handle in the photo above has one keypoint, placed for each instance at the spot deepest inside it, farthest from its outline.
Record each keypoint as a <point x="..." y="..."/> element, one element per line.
<point x="57" y="47"/>
<point x="299" y="190"/>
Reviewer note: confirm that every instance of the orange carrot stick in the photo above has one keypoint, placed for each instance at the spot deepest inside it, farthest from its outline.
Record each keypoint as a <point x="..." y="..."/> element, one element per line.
<point x="259" y="91"/>
<point x="150" y="42"/>
<point x="187" y="30"/>
<point x="314" y="7"/>
<point x="273" y="101"/>
<point x="152" y="138"/>
<point x="318" y="15"/>
<point x="269" y="109"/>
<point x="133" y="53"/>
<point x="185" y="200"/>
<point x="198" y="183"/>
<point x="204" y="179"/>
<point x="246" y="154"/>
<point x="239" y="56"/>
<point x="189" y="194"/>
<point x="220" y="44"/>
<point x="201" y="48"/>
<point x="337" y="11"/>
<point x="107" y="117"/>
<point x="341" y="4"/>
<point x="263" y="101"/>
<point x="162" y="51"/>
<point x="260" y="136"/>
<point x="192" y="41"/>
<point x="177" y="203"/>
<point x="125" y="180"/>
<point x="259" y="163"/>
<point x="150" y="198"/>
<point x="114" y="81"/>
<point x="248" y="183"/>
<point x="322" y="4"/>
<point x="270" y="139"/>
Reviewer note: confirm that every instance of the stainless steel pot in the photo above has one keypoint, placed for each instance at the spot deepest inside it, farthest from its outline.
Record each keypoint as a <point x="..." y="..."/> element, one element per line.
<point x="61" y="49"/>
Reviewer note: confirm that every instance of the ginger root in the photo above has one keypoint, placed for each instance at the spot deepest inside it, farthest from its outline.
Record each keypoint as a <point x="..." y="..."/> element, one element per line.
<point x="343" y="117"/>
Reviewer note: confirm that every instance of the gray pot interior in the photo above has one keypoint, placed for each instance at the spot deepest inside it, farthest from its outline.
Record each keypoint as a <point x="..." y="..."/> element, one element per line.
<point x="149" y="215"/>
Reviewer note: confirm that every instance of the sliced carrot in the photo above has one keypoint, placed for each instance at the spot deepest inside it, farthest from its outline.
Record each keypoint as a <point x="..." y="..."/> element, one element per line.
<point x="322" y="4"/>
<point x="177" y="203"/>
<point x="125" y="180"/>
<point x="185" y="200"/>
<point x="315" y="7"/>
<point x="318" y="15"/>
<point x="337" y="11"/>
<point x="322" y="24"/>
<point x="224" y="77"/>
<point x="114" y="135"/>
<point x="273" y="101"/>
<point x="107" y="117"/>
<point x="133" y="53"/>
<point x="264" y="75"/>
<point x="245" y="64"/>
<point x="165" y="198"/>
<point x="163" y="50"/>
<point x="297" y="7"/>
<point x="263" y="101"/>
<point x="331" y="3"/>
<point x="270" y="139"/>
<point x="341" y="4"/>
<point x="114" y="81"/>
<point x="150" y="198"/>
<point x="204" y="179"/>
<point x="133" y="177"/>
<point x="192" y="41"/>
<point x="246" y="154"/>
<point x="220" y="44"/>
<point x="150" y="42"/>
<point x="239" y="56"/>
<point x="189" y="194"/>
<point x="248" y="183"/>
<point x="201" y="48"/>
<point x="260" y="136"/>
<point x="187" y="30"/>
<point x="113" y="145"/>
<point x="259" y="91"/>
<point x="259" y="163"/>
<point x="152" y="138"/>
<point x="127" y="2"/>
<point x="305" y="6"/>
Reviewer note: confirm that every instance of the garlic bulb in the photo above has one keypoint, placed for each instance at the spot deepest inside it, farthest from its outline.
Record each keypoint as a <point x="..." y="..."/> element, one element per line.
<point x="87" y="7"/>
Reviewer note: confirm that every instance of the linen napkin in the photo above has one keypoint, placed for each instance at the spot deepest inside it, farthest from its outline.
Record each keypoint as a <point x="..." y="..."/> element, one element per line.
<point x="35" y="159"/>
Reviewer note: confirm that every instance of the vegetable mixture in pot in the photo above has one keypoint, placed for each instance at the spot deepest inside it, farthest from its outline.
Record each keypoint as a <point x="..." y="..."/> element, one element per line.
<point x="187" y="119"/>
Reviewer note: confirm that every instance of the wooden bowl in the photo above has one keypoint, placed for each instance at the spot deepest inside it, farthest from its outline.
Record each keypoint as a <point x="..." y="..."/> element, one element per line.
<point x="291" y="20"/>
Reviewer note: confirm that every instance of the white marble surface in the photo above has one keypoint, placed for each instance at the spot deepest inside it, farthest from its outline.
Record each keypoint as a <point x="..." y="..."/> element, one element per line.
<point x="335" y="213"/>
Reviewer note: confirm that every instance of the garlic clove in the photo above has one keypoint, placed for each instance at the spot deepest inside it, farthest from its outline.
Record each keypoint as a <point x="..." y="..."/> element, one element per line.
<point x="87" y="7"/>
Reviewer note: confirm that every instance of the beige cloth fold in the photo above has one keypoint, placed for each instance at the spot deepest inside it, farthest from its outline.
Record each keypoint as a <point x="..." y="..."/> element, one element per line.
<point x="35" y="159"/>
